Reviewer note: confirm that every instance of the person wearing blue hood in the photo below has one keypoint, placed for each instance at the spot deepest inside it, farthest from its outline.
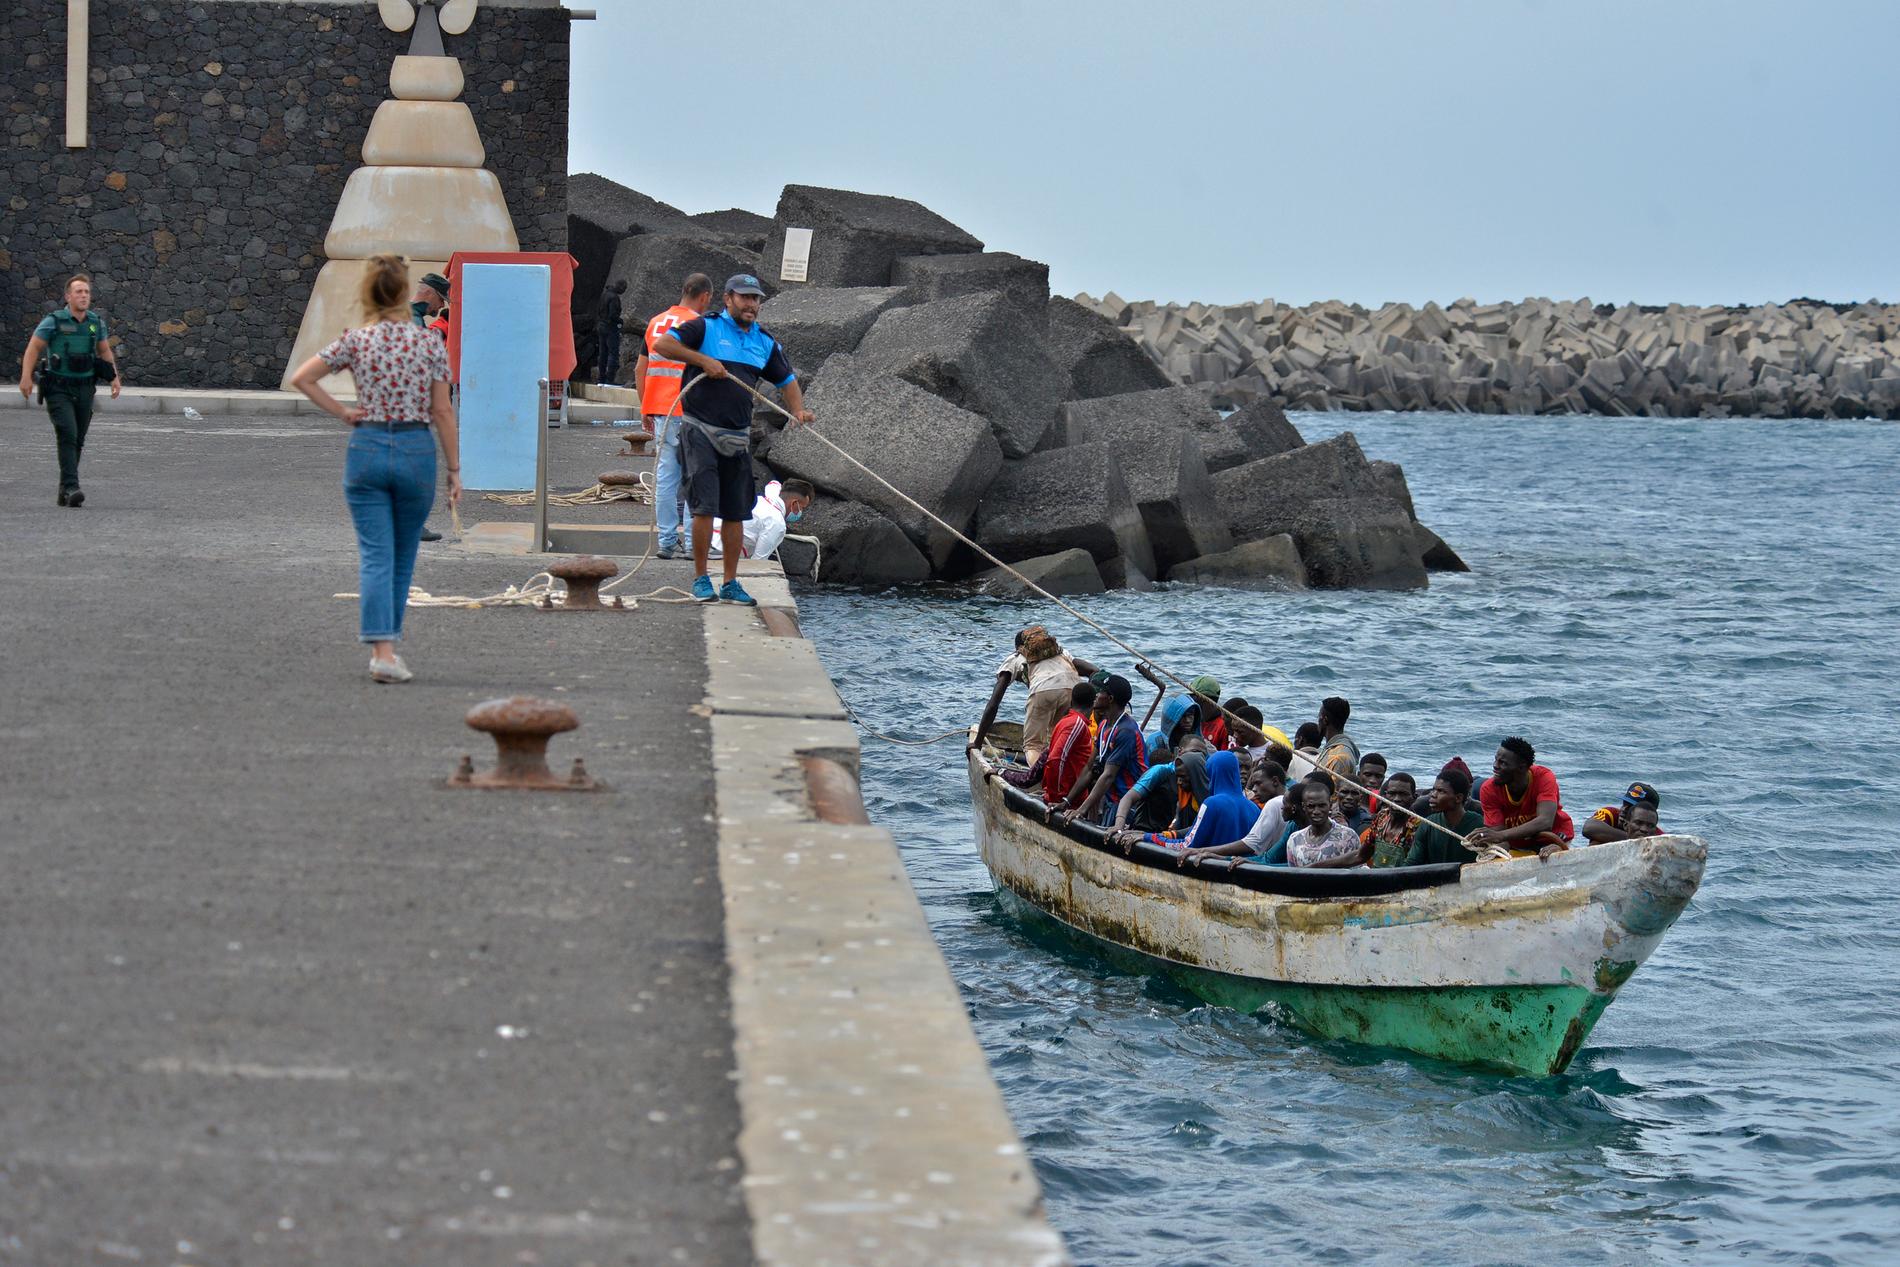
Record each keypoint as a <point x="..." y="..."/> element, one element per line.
<point x="1155" y="803"/>
<point x="1226" y="813"/>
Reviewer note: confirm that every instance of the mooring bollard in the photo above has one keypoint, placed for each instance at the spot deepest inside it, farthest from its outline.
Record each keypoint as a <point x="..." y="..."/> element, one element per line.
<point x="637" y="442"/>
<point x="619" y="479"/>
<point x="521" y="727"/>
<point x="583" y="574"/>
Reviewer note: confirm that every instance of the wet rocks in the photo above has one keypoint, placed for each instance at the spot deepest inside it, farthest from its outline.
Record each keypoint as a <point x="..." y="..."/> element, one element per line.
<point x="941" y="456"/>
<point x="1267" y="564"/>
<point x="1067" y="572"/>
<point x="859" y="547"/>
<point x="1065" y="499"/>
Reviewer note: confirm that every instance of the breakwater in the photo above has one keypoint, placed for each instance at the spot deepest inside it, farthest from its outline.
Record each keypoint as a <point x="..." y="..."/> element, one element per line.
<point x="1802" y="359"/>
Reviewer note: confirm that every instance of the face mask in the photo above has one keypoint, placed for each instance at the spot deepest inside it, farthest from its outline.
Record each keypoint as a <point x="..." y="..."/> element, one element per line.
<point x="794" y="516"/>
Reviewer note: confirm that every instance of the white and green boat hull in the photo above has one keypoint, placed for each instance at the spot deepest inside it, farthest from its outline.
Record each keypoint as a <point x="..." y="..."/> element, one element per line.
<point x="1510" y="965"/>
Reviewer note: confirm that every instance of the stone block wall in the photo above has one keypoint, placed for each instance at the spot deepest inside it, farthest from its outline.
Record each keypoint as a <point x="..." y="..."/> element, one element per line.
<point x="222" y="132"/>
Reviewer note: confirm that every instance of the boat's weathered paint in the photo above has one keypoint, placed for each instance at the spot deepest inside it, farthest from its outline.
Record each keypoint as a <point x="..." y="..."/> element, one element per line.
<point x="1511" y="966"/>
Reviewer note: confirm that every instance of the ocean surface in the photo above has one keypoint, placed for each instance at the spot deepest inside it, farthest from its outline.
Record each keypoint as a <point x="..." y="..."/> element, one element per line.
<point x="1713" y="607"/>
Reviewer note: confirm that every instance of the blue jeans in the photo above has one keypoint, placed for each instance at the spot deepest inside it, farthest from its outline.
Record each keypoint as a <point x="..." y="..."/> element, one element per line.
<point x="389" y="482"/>
<point x="668" y="473"/>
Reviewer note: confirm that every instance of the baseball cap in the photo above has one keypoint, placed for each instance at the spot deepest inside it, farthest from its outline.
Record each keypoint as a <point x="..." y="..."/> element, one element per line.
<point x="743" y="284"/>
<point x="1205" y="685"/>
<point x="1119" y="690"/>
<point x="1642" y="794"/>
<point x="436" y="282"/>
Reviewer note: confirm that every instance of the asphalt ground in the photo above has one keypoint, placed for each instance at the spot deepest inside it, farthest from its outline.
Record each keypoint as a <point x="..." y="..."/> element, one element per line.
<point x="271" y="993"/>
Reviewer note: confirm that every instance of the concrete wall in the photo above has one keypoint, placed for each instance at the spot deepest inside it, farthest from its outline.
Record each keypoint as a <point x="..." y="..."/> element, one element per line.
<point x="1801" y="359"/>
<point x="221" y="135"/>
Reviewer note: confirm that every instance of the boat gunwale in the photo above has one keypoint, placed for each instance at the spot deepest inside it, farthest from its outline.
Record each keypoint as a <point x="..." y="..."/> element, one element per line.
<point x="1326" y="883"/>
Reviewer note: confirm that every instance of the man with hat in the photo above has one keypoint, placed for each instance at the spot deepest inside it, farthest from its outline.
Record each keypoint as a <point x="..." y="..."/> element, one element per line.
<point x="1121" y="758"/>
<point x="1206" y="692"/>
<point x="725" y="352"/>
<point x="432" y="299"/>
<point x="1636" y="816"/>
<point x="78" y="353"/>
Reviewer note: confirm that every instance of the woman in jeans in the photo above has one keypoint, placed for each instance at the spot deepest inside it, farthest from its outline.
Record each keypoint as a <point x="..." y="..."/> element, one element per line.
<point x="402" y="383"/>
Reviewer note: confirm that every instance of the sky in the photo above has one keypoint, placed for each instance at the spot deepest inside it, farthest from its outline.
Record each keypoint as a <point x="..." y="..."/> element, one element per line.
<point x="1227" y="151"/>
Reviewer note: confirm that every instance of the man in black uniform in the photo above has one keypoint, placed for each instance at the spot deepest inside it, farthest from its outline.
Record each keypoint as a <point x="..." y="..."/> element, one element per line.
<point x="78" y="354"/>
<point x="607" y="334"/>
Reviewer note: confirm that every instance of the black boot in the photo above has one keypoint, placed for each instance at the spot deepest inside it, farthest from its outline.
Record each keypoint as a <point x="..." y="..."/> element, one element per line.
<point x="76" y="498"/>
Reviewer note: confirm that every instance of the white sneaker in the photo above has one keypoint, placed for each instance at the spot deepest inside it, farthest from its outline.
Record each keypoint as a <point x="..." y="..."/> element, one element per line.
<point x="390" y="670"/>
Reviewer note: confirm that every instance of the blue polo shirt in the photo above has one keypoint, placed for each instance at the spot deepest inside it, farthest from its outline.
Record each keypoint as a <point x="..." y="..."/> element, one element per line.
<point x="751" y="355"/>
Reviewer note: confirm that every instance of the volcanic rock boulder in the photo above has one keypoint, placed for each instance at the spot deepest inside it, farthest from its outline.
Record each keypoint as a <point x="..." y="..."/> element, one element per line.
<point x="859" y="547"/>
<point x="1349" y="531"/>
<point x="1069" y="572"/>
<point x="748" y="228"/>
<point x="1061" y="500"/>
<point x="1161" y="461"/>
<point x="941" y="456"/>
<point x="1258" y="429"/>
<point x="814" y="323"/>
<point x="1097" y="356"/>
<point x="856" y="238"/>
<point x="928" y="277"/>
<point x="977" y="351"/>
<point x="1269" y="563"/>
<point x="1392" y="476"/>
<point x="655" y="264"/>
<point x="601" y="215"/>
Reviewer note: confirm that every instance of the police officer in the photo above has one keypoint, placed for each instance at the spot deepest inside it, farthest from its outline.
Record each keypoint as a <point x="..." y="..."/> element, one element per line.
<point x="78" y="351"/>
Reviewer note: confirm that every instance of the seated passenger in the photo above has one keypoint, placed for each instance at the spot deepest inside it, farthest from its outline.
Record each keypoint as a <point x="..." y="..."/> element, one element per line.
<point x="1323" y="842"/>
<point x="1522" y="808"/>
<point x="1250" y="741"/>
<point x="1306" y="743"/>
<point x="1164" y="800"/>
<point x="1636" y="816"/>
<point x="1180" y="720"/>
<point x="1039" y="663"/>
<point x="1371" y="777"/>
<point x="1265" y="781"/>
<point x="1070" y="747"/>
<point x="1390" y="832"/>
<point x="1422" y="805"/>
<point x="1206" y="692"/>
<point x="1120" y="758"/>
<point x="1437" y="839"/>
<point x="1226" y="812"/>
<point x="1349" y="807"/>
<point x="1266" y="836"/>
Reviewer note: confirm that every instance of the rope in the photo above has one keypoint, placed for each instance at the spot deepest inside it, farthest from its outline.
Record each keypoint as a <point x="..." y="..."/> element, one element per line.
<point x="1034" y="588"/>
<point x="908" y="743"/>
<point x="592" y="495"/>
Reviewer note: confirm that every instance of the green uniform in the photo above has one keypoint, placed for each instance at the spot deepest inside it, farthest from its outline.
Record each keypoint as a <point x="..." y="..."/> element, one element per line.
<point x="72" y="344"/>
<point x="1433" y="843"/>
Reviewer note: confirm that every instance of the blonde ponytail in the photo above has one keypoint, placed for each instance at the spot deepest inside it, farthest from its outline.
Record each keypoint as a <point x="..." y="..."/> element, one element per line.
<point x="385" y="292"/>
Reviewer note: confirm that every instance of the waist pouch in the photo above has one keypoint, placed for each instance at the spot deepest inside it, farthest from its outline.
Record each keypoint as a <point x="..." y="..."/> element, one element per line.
<point x="727" y="442"/>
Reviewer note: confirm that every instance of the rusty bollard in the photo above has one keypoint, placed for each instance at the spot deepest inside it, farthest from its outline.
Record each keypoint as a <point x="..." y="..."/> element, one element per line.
<point x="637" y="442"/>
<point x="583" y="574"/>
<point x="521" y="727"/>
<point x="619" y="479"/>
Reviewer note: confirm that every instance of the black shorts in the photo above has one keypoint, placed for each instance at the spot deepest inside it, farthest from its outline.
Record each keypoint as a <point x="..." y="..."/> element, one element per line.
<point x="716" y="484"/>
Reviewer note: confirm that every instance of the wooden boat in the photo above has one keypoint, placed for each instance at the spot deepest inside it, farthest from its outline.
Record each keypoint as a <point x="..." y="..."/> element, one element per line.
<point x="1506" y="964"/>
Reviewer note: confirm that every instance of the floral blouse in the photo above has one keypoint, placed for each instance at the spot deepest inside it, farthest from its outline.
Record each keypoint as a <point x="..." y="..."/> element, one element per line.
<point x="394" y="364"/>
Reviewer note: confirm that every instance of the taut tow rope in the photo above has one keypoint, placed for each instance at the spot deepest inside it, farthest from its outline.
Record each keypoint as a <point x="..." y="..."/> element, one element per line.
<point x="1034" y="588"/>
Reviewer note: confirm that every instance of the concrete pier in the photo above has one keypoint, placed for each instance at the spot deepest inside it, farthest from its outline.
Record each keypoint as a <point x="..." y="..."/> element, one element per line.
<point x="274" y="994"/>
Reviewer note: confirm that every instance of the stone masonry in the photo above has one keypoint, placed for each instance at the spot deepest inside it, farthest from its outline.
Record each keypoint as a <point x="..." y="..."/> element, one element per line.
<point x="1802" y="359"/>
<point x="221" y="135"/>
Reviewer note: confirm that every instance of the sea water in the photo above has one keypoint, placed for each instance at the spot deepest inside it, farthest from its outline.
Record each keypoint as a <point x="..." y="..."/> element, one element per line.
<point x="1709" y="606"/>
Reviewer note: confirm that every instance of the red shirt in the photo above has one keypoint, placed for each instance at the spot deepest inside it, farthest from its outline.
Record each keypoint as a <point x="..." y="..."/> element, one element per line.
<point x="1501" y="811"/>
<point x="1070" y="749"/>
<point x="1214" y="730"/>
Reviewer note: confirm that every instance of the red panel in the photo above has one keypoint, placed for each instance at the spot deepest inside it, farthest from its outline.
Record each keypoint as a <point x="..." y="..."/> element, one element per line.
<point x="560" y="301"/>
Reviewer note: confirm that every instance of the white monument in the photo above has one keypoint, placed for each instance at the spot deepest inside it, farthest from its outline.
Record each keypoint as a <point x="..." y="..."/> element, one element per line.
<point x="422" y="191"/>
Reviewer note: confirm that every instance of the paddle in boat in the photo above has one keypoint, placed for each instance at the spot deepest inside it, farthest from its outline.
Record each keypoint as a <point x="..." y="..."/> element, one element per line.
<point x="1506" y="964"/>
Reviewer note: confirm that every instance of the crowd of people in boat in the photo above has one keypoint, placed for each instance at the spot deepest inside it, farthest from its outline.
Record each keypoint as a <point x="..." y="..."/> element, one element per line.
<point x="1210" y="783"/>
